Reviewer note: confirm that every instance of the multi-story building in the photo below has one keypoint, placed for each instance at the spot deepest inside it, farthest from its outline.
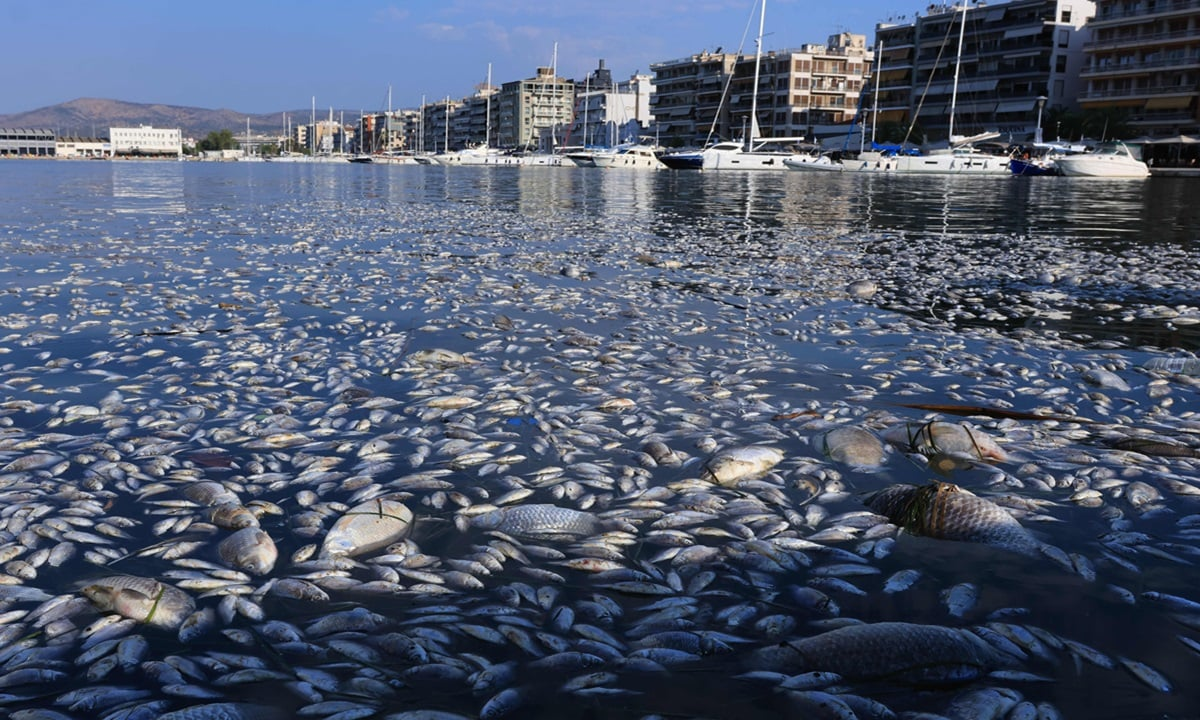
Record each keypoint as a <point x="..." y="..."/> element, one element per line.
<point x="146" y="141"/>
<point x="687" y="103"/>
<point x="608" y="113"/>
<point x="801" y="89"/>
<point x="525" y="108"/>
<point x="25" y="142"/>
<point x="1017" y="57"/>
<point x="437" y="118"/>
<point x="710" y="95"/>
<point x="1144" y="56"/>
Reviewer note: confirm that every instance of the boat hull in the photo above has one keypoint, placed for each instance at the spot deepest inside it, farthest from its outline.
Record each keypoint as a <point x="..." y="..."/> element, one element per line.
<point x="1082" y="166"/>
<point x="949" y="164"/>
<point x="683" y="161"/>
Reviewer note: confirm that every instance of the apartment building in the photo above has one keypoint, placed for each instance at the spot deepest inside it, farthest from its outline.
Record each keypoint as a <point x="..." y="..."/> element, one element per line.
<point x="687" y="103"/>
<point x="1144" y="56"/>
<point x="710" y="95"/>
<point x="607" y="112"/>
<point x="526" y="108"/>
<point x="802" y="89"/>
<point x="1016" y="57"/>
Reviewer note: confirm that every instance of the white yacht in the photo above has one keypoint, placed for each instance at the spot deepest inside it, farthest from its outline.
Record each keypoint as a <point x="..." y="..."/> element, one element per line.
<point x="1112" y="160"/>
<point x="638" y="157"/>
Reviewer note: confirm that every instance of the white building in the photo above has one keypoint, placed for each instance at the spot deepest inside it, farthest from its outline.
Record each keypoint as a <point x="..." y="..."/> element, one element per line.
<point x="146" y="141"/>
<point x="612" y="114"/>
<point x="79" y="147"/>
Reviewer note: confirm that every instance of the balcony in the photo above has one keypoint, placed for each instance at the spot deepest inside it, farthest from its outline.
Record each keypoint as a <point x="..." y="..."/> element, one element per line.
<point x="1142" y="39"/>
<point x="1117" y="16"/>
<point x="1144" y="93"/>
<point x="1143" y="67"/>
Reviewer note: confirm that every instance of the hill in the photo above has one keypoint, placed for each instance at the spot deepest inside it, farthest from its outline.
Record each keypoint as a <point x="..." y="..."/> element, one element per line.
<point x="93" y="117"/>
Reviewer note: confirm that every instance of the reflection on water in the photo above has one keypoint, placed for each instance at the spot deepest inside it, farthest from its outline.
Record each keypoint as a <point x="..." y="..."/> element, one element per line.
<point x="148" y="188"/>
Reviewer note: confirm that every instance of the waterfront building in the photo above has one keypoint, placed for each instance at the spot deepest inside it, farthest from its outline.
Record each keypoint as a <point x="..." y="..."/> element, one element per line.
<point x="709" y="96"/>
<point x="524" y="108"/>
<point x="802" y="89"/>
<point x="1144" y="56"/>
<point x="26" y="142"/>
<point x="608" y="113"/>
<point x="1017" y="57"/>
<point x="687" y="98"/>
<point x="81" y="147"/>
<point x="390" y="131"/>
<point x="146" y="141"/>
<point x="437" y="118"/>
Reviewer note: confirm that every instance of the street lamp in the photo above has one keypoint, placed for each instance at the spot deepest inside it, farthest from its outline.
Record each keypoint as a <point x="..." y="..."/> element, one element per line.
<point x="1037" y="134"/>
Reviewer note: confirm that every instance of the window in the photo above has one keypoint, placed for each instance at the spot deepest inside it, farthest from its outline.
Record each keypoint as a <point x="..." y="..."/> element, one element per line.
<point x="1066" y="13"/>
<point x="1060" y="63"/>
<point x="1064" y="38"/>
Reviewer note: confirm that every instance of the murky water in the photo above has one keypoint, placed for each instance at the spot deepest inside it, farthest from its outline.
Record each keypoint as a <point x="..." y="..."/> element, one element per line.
<point x="262" y="325"/>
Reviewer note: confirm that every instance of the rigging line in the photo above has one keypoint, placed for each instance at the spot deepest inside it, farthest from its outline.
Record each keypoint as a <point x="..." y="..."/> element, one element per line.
<point x="936" y="62"/>
<point x="712" y="129"/>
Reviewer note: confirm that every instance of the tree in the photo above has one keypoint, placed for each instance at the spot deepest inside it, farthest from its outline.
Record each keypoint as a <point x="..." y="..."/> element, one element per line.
<point x="222" y="140"/>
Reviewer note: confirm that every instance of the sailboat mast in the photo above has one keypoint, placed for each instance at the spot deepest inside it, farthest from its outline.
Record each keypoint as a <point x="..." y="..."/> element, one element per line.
<point x="487" y="118"/>
<point x="757" y="62"/>
<point x="446" y="146"/>
<point x="875" y="96"/>
<point x="962" y="30"/>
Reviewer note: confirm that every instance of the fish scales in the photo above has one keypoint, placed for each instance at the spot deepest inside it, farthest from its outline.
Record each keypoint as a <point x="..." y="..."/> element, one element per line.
<point x="947" y="512"/>
<point x="897" y="651"/>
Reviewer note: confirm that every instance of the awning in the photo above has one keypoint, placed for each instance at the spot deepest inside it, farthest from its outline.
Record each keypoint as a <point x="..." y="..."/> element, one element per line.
<point x="1168" y="103"/>
<point x="965" y="86"/>
<point x="1176" y="140"/>
<point x="1016" y="106"/>
<point x="1109" y="102"/>
<point x="994" y="14"/>
<point x="1023" y="32"/>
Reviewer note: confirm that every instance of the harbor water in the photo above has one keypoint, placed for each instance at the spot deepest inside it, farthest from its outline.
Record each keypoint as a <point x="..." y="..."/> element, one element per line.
<point x="335" y="441"/>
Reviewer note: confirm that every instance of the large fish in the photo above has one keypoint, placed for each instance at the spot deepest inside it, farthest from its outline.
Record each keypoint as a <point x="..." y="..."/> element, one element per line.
<point x="368" y="526"/>
<point x="143" y="599"/>
<point x="947" y="512"/>
<point x="537" y="521"/>
<point x="948" y="445"/>
<point x="901" y="652"/>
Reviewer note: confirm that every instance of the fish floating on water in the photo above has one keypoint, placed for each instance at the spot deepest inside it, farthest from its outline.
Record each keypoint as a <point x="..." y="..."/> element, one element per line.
<point x="946" y="511"/>
<point x="900" y="652"/>
<point x="729" y="467"/>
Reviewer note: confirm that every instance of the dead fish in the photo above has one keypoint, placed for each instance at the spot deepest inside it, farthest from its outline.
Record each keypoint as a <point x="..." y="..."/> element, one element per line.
<point x="440" y="357"/>
<point x="142" y="599"/>
<point x="938" y="438"/>
<point x="851" y="445"/>
<point x="947" y="512"/>
<point x="1147" y="446"/>
<point x="537" y="520"/>
<point x="731" y="466"/>
<point x="368" y="526"/>
<point x="249" y="549"/>
<point x="900" y="652"/>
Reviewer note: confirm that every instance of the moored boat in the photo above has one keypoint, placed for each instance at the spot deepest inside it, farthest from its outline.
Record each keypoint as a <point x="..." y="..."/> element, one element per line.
<point x="1111" y="160"/>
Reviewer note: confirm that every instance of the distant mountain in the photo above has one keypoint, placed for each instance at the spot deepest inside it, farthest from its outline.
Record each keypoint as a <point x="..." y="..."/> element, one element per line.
<point x="92" y="117"/>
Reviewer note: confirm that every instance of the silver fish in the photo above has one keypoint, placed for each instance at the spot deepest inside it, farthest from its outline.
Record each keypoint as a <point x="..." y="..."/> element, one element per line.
<point x="367" y="527"/>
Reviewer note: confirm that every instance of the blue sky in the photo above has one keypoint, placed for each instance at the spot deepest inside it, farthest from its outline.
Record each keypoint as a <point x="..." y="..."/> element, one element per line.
<point x="259" y="56"/>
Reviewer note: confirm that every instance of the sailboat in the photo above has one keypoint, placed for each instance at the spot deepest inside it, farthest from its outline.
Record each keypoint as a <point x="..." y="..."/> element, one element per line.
<point x="756" y="153"/>
<point x="961" y="157"/>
